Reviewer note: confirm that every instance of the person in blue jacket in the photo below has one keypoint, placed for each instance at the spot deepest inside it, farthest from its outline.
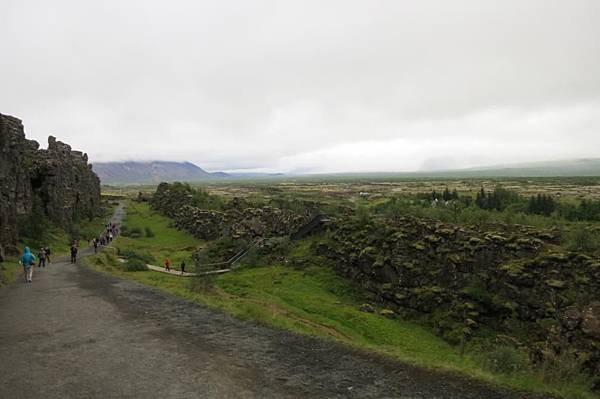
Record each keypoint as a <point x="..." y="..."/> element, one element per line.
<point x="28" y="261"/>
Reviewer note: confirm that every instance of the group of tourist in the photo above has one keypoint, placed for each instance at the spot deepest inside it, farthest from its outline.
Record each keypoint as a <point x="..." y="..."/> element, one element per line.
<point x="29" y="260"/>
<point x="168" y="264"/>
<point x="109" y="233"/>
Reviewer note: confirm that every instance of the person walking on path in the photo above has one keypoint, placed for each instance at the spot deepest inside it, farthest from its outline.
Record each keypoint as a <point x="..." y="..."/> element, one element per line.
<point x="182" y="266"/>
<point x="47" y="250"/>
<point x="28" y="261"/>
<point x="95" y="243"/>
<point x="73" y="253"/>
<point x="42" y="258"/>
<point x="168" y="264"/>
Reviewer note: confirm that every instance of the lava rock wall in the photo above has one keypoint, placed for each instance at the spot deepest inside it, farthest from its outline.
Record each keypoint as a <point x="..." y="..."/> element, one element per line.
<point x="237" y="221"/>
<point x="508" y="278"/>
<point x="57" y="179"/>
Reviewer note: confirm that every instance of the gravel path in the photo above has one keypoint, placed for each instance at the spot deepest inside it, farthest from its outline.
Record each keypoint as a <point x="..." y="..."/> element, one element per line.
<point x="75" y="333"/>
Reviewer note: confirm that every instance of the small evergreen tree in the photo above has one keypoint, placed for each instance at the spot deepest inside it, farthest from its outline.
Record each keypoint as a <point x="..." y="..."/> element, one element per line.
<point x="446" y="195"/>
<point x="541" y="204"/>
<point x="480" y="199"/>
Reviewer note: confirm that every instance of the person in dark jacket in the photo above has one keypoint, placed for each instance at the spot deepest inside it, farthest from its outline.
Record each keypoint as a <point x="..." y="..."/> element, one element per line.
<point x="73" y="253"/>
<point x="182" y="266"/>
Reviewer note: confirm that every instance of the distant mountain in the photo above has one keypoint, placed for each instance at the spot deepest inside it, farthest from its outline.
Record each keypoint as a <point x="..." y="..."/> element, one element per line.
<point x="151" y="172"/>
<point x="250" y="175"/>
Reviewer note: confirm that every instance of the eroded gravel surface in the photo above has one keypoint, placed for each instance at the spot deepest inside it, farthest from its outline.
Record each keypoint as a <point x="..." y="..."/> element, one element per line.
<point x="76" y="333"/>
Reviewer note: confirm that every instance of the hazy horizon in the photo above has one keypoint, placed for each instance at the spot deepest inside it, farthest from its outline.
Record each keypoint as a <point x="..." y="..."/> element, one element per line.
<point x="310" y="87"/>
<point x="476" y="167"/>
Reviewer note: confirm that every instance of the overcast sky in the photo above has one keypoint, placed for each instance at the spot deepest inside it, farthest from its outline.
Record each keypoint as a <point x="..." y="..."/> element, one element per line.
<point x="307" y="86"/>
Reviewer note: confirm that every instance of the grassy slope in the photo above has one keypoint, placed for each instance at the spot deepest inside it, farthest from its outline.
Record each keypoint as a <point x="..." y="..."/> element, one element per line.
<point x="9" y="270"/>
<point x="57" y="239"/>
<point x="312" y="301"/>
<point x="167" y="242"/>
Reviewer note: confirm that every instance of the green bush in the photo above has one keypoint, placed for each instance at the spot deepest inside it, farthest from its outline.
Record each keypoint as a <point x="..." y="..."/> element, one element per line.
<point x="132" y="255"/>
<point x="201" y="284"/>
<point x="75" y="233"/>
<point x="363" y="214"/>
<point x="504" y="360"/>
<point x="477" y="291"/>
<point x="583" y="239"/>
<point x="219" y="251"/>
<point x="149" y="232"/>
<point x="135" y="232"/>
<point x="565" y="366"/>
<point x="278" y="246"/>
<point x="135" y="265"/>
<point x="35" y="225"/>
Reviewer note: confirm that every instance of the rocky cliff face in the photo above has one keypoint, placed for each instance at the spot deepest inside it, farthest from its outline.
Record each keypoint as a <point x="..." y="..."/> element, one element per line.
<point x="236" y="221"/>
<point x="57" y="180"/>
<point x="510" y="279"/>
<point x="64" y="181"/>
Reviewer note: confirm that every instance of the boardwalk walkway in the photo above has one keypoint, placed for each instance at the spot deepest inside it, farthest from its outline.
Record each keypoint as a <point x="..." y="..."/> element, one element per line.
<point x="185" y="274"/>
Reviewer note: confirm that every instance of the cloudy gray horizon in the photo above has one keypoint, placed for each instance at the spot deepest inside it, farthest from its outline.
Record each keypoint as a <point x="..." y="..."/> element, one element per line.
<point x="310" y="86"/>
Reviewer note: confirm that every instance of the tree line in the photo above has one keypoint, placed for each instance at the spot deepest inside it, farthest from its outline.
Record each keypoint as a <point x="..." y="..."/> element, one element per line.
<point x="501" y="199"/>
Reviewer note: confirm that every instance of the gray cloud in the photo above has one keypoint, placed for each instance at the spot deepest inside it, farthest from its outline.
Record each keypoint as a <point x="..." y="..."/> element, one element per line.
<point x="310" y="86"/>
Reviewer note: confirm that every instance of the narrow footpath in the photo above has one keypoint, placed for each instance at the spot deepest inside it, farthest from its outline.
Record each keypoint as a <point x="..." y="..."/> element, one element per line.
<point x="76" y="333"/>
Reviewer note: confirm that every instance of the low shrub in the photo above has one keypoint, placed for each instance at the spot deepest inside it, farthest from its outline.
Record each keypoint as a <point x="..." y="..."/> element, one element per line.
<point x="133" y="255"/>
<point x="565" y="366"/>
<point x="504" y="360"/>
<point x="135" y="265"/>
<point x="363" y="214"/>
<point x="75" y="232"/>
<point x="202" y="284"/>
<point x="149" y="232"/>
<point x="135" y="232"/>
<point x="275" y="246"/>
<point x="125" y="230"/>
<point x="583" y="239"/>
<point x="219" y="251"/>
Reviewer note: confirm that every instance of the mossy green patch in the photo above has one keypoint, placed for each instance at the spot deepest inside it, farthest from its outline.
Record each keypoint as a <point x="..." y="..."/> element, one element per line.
<point x="166" y="241"/>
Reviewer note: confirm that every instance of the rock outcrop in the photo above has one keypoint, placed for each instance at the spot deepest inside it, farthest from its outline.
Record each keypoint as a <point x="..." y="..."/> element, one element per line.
<point x="239" y="220"/>
<point x="56" y="181"/>
<point x="509" y="279"/>
<point x="65" y="182"/>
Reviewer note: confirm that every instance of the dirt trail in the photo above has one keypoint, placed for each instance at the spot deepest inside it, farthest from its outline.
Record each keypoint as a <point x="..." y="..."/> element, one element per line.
<point x="75" y="333"/>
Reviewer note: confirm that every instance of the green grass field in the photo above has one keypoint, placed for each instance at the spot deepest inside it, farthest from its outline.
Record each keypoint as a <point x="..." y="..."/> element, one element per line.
<point x="311" y="301"/>
<point x="167" y="241"/>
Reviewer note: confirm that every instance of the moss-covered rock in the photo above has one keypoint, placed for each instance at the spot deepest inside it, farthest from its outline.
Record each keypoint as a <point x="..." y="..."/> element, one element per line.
<point x="463" y="279"/>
